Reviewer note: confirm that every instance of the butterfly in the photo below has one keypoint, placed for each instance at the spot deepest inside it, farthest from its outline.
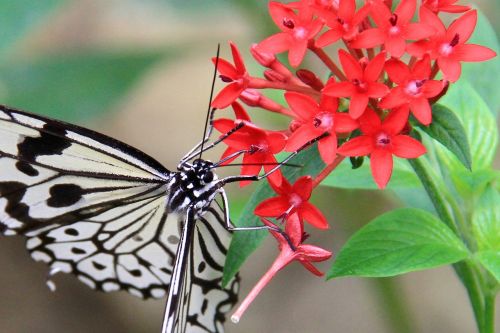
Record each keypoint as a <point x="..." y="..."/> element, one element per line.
<point x="116" y="218"/>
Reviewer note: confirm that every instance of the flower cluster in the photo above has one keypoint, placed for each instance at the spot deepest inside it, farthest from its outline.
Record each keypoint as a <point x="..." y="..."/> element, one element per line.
<point x="392" y="64"/>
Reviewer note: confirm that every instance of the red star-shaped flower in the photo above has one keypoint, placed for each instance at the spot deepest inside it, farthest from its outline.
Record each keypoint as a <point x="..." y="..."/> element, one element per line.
<point x="290" y="200"/>
<point x="414" y="88"/>
<point x="362" y="83"/>
<point x="393" y="29"/>
<point x="257" y="145"/>
<point x="297" y="31"/>
<point x="448" y="45"/>
<point x="291" y="249"/>
<point x="344" y="23"/>
<point x="313" y="119"/>
<point x="381" y="140"/>
<point x="236" y="75"/>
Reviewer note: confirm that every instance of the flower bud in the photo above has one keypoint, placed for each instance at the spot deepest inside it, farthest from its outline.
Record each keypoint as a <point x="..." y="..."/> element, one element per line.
<point x="310" y="79"/>
<point x="264" y="58"/>
<point x="274" y="76"/>
<point x="251" y="97"/>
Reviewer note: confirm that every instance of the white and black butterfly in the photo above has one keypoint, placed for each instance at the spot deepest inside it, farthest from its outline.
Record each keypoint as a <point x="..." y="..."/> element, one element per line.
<point x="116" y="218"/>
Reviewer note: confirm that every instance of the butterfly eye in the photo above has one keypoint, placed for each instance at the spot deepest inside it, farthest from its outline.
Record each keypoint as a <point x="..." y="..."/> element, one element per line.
<point x="208" y="177"/>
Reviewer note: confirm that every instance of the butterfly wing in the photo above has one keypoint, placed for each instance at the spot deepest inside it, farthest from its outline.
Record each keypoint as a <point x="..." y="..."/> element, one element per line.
<point x="208" y="302"/>
<point x="89" y="204"/>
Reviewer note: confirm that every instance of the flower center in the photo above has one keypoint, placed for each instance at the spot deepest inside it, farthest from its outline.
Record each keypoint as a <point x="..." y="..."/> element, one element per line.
<point x="295" y="200"/>
<point x="258" y="148"/>
<point x="413" y="87"/>
<point x="382" y="140"/>
<point x="288" y="23"/>
<point x="300" y="33"/>
<point x="324" y="121"/>
<point x="447" y="48"/>
<point x="225" y="78"/>
<point x="360" y="85"/>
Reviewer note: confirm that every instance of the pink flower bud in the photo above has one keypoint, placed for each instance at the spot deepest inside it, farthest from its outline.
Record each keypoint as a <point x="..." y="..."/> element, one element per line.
<point x="264" y="58"/>
<point x="251" y="97"/>
<point x="274" y="76"/>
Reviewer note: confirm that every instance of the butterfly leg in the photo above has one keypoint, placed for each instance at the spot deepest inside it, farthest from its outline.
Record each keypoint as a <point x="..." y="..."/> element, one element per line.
<point x="232" y="179"/>
<point x="231" y="227"/>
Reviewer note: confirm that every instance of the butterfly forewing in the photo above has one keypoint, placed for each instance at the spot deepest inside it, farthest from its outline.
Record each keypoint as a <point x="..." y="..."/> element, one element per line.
<point x="95" y="207"/>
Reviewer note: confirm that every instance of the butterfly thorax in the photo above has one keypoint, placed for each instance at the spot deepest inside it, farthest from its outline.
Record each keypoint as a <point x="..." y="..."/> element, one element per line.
<point x="194" y="185"/>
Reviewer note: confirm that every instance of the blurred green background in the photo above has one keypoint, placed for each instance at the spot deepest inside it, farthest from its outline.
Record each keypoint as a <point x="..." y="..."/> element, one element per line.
<point x="140" y="71"/>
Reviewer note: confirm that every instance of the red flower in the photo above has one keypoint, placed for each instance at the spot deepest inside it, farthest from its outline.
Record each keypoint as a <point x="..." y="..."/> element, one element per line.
<point x="291" y="200"/>
<point x="291" y="249"/>
<point x="344" y="23"/>
<point x="381" y="140"/>
<point x="313" y="119"/>
<point x="257" y="145"/>
<point x="297" y="31"/>
<point x="414" y="88"/>
<point x="448" y="46"/>
<point x="236" y="74"/>
<point x="444" y="6"/>
<point x="362" y="83"/>
<point x="393" y="29"/>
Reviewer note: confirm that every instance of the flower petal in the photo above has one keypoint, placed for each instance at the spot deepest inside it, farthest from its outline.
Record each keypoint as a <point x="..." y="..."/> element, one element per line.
<point x="405" y="10"/>
<point x="328" y="148"/>
<point x="303" y="187"/>
<point x="473" y="52"/>
<point x="381" y="166"/>
<point x="329" y="37"/>
<point x="407" y="147"/>
<point x="358" y="146"/>
<point x="421" y="109"/>
<point x="450" y="68"/>
<point x="418" y="31"/>
<point x="396" y="97"/>
<point x="396" y="121"/>
<point x="368" y="39"/>
<point x="397" y="70"/>
<point x="297" y="52"/>
<point x="226" y="68"/>
<point x="272" y="207"/>
<point x="238" y="60"/>
<point x="350" y="65"/>
<point x="313" y="215"/>
<point x="343" y="123"/>
<point x="375" y="67"/>
<point x="304" y="106"/>
<point x="301" y="136"/>
<point x="339" y="89"/>
<point x="358" y="105"/>
<point x="463" y="27"/>
<point x="227" y="95"/>
<point x="276" y="43"/>
<point x="395" y="45"/>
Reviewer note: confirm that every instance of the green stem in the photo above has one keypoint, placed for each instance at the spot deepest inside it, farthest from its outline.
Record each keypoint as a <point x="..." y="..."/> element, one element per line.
<point x="489" y="313"/>
<point x="395" y="308"/>
<point x="467" y="272"/>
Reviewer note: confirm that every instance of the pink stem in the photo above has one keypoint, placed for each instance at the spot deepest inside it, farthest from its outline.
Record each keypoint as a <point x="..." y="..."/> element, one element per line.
<point x="264" y="280"/>
<point x="258" y="83"/>
<point x="328" y="62"/>
<point x="327" y="170"/>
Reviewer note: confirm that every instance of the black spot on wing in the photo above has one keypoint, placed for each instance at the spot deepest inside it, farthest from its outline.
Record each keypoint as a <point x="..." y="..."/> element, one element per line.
<point x="98" y="266"/>
<point x="46" y="144"/>
<point x="71" y="232"/>
<point x="136" y="272"/>
<point x="26" y="168"/>
<point x="77" y="250"/>
<point x="14" y="192"/>
<point x="64" y="195"/>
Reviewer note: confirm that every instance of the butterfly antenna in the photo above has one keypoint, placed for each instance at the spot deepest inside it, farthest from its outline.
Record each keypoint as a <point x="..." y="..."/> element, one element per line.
<point x="210" y="99"/>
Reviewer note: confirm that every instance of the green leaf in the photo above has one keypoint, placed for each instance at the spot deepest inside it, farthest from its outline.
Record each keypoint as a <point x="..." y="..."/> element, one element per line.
<point x="19" y="16"/>
<point x="73" y="87"/>
<point x="447" y="129"/>
<point x="244" y="243"/>
<point x="491" y="261"/>
<point x="398" y="242"/>
<point x="361" y="178"/>
<point x="483" y="76"/>
<point x="479" y="124"/>
<point x="486" y="220"/>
